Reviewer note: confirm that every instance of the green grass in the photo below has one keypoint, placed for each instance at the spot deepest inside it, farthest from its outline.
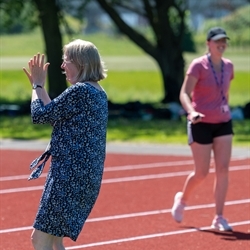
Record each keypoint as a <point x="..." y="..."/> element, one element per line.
<point x="15" y="88"/>
<point x="121" y="86"/>
<point x="121" y="130"/>
<point x="21" y="127"/>
<point x="132" y="76"/>
<point x="144" y="86"/>
<point x="240" y="89"/>
<point x="33" y="42"/>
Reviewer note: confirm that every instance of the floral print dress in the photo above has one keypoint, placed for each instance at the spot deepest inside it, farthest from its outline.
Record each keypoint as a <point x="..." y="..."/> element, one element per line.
<point x="78" y="144"/>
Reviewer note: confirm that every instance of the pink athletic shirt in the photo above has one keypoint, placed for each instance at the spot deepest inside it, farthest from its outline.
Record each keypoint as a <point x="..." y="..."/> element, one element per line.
<point x="206" y="96"/>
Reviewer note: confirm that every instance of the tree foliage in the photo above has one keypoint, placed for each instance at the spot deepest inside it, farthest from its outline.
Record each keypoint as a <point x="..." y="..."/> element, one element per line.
<point x="167" y="20"/>
<point x="166" y="41"/>
<point x="238" y="21"/>
<point x="17" y="16"/>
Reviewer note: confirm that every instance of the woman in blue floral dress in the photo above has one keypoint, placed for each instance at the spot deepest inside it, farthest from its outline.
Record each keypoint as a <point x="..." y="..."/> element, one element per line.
<point x="78" y="143"/>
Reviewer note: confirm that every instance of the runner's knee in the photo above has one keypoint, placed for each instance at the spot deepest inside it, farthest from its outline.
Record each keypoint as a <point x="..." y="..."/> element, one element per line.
<point x="201" y="175"/>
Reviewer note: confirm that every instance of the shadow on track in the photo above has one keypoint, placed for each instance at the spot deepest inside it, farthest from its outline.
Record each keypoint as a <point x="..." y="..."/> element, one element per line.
<point x="227" y="235"/>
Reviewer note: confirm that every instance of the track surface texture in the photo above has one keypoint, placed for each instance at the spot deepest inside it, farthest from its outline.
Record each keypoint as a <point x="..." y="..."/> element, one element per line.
<point x="133" y="209"/>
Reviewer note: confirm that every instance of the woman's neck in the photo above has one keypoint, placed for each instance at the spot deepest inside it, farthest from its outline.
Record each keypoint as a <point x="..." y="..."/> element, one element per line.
<point x="216" y="60"/>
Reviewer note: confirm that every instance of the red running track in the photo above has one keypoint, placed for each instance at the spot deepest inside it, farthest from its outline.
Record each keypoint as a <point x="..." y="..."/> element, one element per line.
<point x="133" y="209"/>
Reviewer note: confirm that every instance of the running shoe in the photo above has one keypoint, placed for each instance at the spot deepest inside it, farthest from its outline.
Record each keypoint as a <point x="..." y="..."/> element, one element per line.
<point x="178" y="207"/>
<point x="221" y="224"/>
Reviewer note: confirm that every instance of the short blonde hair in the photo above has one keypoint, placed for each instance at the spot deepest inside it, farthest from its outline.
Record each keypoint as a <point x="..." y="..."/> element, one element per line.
<point x="87" y="59"/>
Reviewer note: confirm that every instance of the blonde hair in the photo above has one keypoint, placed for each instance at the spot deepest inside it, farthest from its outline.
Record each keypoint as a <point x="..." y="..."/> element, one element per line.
<point x="87" y="59"/>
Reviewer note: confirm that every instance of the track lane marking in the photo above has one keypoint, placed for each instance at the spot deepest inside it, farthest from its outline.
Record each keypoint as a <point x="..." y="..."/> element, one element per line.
<point x="139" y="214"/>
<point x="126" y="179"/>
<point x="113" y="169"/>
<point x="150" y="236"/>
<point x="122" y="168"/>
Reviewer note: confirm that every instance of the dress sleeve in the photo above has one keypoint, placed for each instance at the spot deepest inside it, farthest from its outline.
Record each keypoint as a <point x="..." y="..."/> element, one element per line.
<point x="62" y="107"/>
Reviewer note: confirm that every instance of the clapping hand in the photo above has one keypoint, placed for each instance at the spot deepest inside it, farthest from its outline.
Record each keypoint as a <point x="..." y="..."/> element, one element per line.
<point x="38" y="70"/>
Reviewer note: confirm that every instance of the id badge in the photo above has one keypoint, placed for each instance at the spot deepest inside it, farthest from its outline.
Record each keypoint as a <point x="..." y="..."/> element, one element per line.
<point x="224" y="108"/>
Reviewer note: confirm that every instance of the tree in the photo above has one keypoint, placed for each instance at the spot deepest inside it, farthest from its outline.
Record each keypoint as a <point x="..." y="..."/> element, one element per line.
<point x="12" y="20"/>
<point x="49" y="16"/>
<point x="16" y="12"/>
<point x="167" y="21"/>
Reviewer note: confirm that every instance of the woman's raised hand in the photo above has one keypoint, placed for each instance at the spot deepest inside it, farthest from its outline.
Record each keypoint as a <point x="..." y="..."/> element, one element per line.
<point x="38" y="70"/>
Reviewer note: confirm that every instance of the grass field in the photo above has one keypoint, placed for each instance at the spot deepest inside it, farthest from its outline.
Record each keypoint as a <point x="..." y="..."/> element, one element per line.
<point x="132" y="76"/>
<point x="121" y="130"/>
<point x="121" y="86"/>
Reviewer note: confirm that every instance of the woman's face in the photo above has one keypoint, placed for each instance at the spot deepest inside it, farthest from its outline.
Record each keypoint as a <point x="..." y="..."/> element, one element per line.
<point x="70" y="70"/>
<point x="217" y="47"/>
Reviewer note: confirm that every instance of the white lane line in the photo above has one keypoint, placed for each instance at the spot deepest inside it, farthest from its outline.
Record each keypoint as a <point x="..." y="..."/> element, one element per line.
<point x="150" y="236"/>
<point x="112" y="169"/>
<point x="121" y="168"/>
<point x="126" y="179"/>
<point x="157" y="165"/>
<point x="163" y="211"/>
<point x="165" y="175"/>
<point x="139" y="214"/>
<point x="13" y="230"/>
<point x="149" y="165"/>
<point x="18" y="177"/>
<point x="24" y="189"/>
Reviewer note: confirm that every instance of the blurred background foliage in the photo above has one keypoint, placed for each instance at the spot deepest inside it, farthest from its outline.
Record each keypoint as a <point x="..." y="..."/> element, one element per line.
<point x="236" y="24"/>
<point x="132" y="77"/>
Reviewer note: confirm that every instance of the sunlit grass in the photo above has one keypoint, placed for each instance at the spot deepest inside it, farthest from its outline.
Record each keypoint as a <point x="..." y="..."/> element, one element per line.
<point x="121" y="130"/>
<point x="132" y="76"/>
<point x="107" y="44"/>
<point x="121" y="87"/>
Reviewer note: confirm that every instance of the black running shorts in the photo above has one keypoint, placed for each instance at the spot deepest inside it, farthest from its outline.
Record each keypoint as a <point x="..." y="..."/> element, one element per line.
<point x="204" y="133"/>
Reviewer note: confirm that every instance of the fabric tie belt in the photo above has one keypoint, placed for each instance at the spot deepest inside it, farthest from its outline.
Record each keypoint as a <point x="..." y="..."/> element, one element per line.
<point x="38" y="169"/>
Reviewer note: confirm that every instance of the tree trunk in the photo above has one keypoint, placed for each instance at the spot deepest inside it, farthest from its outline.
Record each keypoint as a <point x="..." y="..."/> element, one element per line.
<point x="171" y="66"/>
<point x="166" y="49"/>
<point x="49" y="18"/>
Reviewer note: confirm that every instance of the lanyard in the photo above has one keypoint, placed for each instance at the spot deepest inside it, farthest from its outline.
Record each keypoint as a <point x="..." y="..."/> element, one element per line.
<point x="219" y="84"/>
